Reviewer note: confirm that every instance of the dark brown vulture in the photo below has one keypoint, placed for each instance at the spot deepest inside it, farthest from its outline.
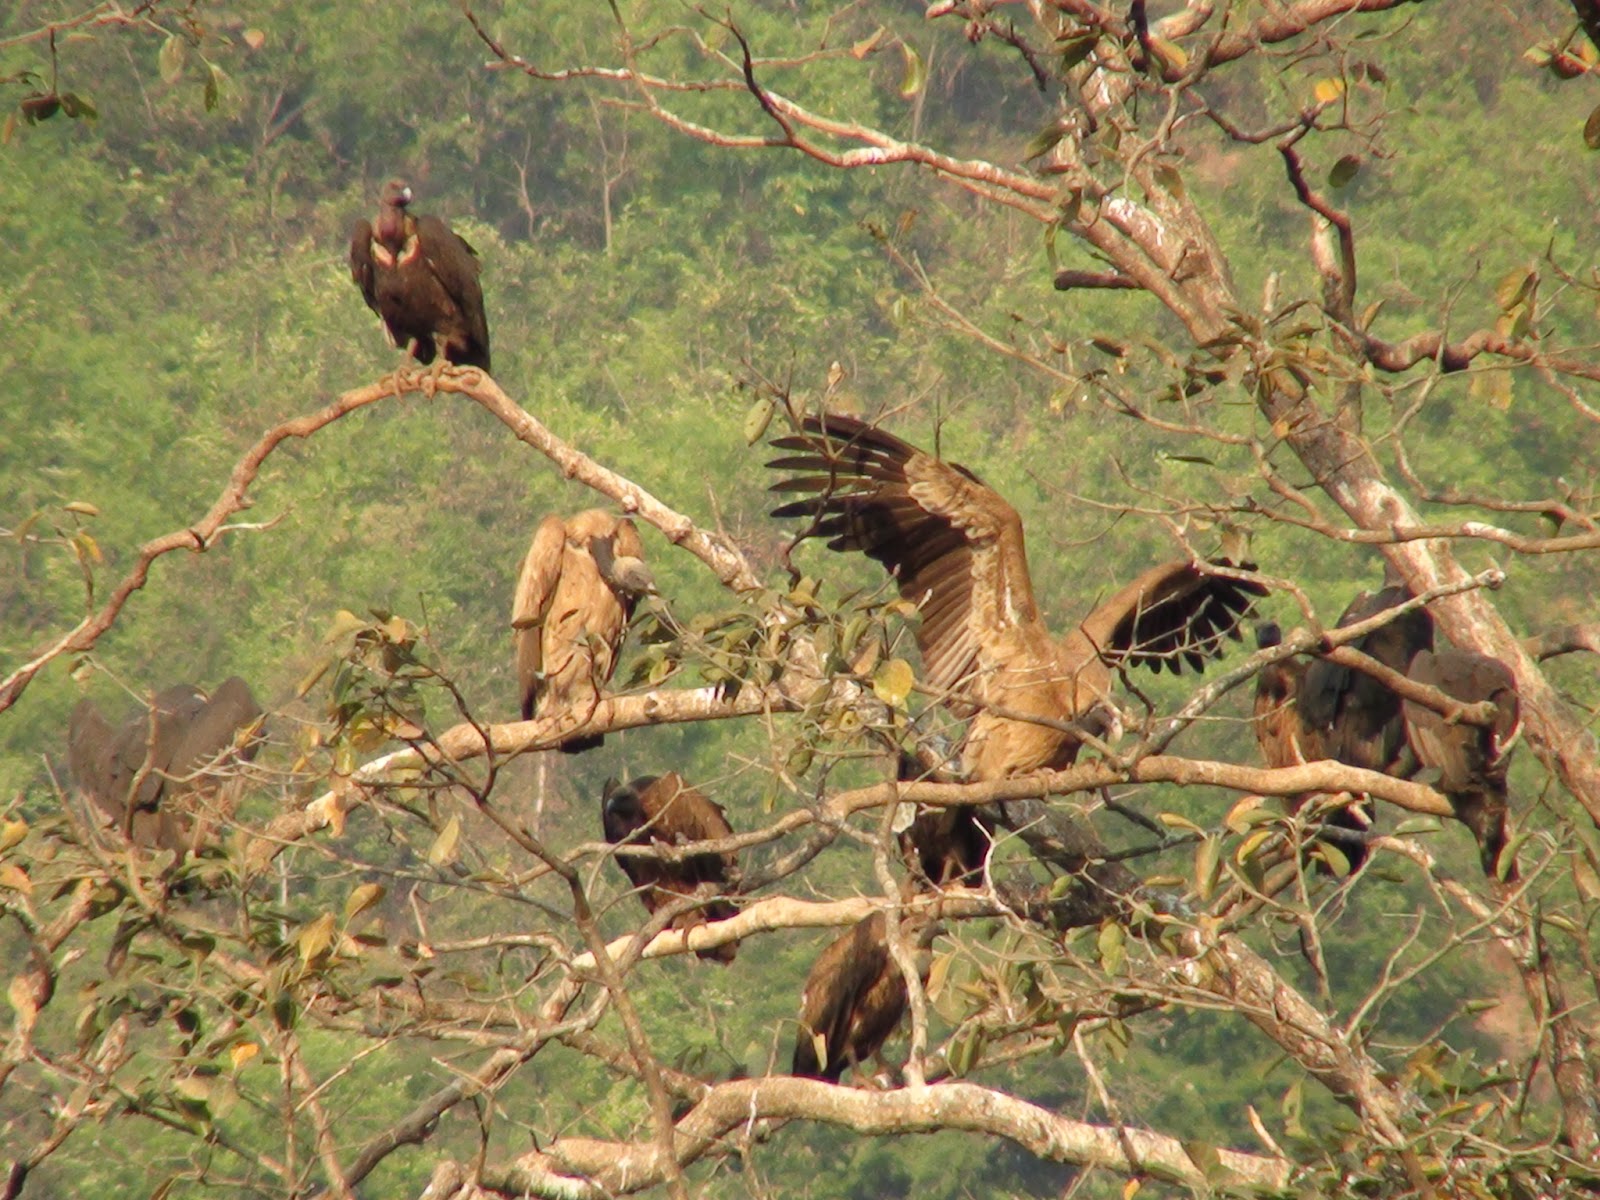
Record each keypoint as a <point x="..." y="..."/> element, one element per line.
<point x="667" y="811"/>
<point x="575" y="597"/>
<point x="1471" y="760"/>
<point x="855" y="997"/>
<point x="422" y="279"/>
<point x="1287" y="741"/>
<point x="944" y="846"/>
<point x="186" y="745"/>
<point x="1357" y="719"/>
<point x="955" y="547"/>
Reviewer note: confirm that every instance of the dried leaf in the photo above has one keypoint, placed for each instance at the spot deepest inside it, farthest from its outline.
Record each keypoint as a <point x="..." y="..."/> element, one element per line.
<point x="316" y="939"/>
<point x="443" y="850"/>
<point x="757" y="420"/>
<point x="363" y="898"/>
<point x="82" y="508"/>
<point x="867" y="44"/>
<point x="1327" y="91"/>
<point x="1591" y="130"/>
<point x="170" y="61"/>
<point x="11" y="833"/>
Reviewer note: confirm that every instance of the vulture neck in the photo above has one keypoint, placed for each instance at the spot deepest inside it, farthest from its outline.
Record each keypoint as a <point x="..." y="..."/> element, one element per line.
<point x="391" y="229"/>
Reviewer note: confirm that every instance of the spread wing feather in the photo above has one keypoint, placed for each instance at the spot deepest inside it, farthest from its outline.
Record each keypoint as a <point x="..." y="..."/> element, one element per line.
<point x="952" y="543"/>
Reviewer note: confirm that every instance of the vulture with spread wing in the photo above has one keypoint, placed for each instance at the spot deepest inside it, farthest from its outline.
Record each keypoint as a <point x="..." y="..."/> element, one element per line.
<point x="855" y="997"/>
<point x="666" y="811"/>
<point x="422" y="278"/>
<point x="580" y="581"/>
<point x="185" y="745"/>
<point x="1472" y="760"/>
<point x="956" y="550"/>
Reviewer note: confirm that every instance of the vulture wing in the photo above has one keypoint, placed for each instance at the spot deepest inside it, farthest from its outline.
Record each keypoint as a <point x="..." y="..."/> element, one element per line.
<point x="1284" y="738"/>
<point x="833" y="1004"/>
<point x="232" y="710"/>
<point x="90" y="755"/>
<point x="362" y="269"/>
<point x="1359" y="717"/>
<point x="1472" y="761"/>
<point x="954" y="546"/>
<point x="454" y="264"/>
<point x="1172" y="614"/>
<point x="536" y="587"/>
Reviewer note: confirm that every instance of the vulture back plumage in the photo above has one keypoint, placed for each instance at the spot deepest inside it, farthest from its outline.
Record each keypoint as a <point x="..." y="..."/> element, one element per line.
<point x="855" y="996"/>
<point x="1472" y="760"/>
<point x="664" y="810"/>
<point x="181" y="751"/>
<point x="421" y="278"/>
<point x="956" y="550"/>
<point x="576" y="593"/>
<point x="943" y="846"/>
<point x="1286" y="739"/>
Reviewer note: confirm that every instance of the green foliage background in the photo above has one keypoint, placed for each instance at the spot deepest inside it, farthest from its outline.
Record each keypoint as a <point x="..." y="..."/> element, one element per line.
<point x="172" y="282"/>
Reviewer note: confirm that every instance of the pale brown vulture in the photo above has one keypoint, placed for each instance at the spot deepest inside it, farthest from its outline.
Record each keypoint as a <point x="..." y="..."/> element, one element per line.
<point x="187" y="746"/>
<point x="956" y="550"/>
<point x="1472" y="760"/>
<point x="855" y="996"/>
<point x="422" y="279"/>
<point x="575" y="597"/>
<point x="666" y="811"/>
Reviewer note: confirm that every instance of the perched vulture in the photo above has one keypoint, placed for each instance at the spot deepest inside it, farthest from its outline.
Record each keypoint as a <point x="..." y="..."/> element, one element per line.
<point x="1357" y="719"/>
<point x="185" y="744"/>
<point x="944" y="846"/>
<point x="1287" y="741"/>
<point x="956" y="549"/>
<point x="855" y="996"/>
<point x="1471" y="760"/>
<point x="667" y="811"/>
<point x="575" y="597"/>
<point x="422" y="279"/>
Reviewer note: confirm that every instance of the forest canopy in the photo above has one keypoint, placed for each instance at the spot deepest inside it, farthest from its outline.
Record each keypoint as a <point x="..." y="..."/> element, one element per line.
<point x="1271" y="325"/>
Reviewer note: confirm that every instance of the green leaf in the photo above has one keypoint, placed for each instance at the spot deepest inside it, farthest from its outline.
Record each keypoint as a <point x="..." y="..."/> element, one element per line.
<point x="916" y="72"/>
<point x="892" y="682"/>
<point x="1346" y="169"/>
<point x="1044" y="141"/>
<point x="170" y="61"/>
<point x="1112" y="947"/>
<point x="757" y="420"/>
<point x="214" y="81"/>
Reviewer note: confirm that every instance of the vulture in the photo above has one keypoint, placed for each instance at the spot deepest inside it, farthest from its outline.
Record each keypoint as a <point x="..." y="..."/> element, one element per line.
<point x="1357" y="719"/>
<point x="855" y="996"/>
<point x="944" y="846"/>
<point x="185" y="744"/>
<point x="1287" y="741"/>
<point x="955" y="548"/>
<point x="575" y="597"/>
<point x="421" y="278"/>
<point x="1472" y="760"/>
<point x="664" y="810"/>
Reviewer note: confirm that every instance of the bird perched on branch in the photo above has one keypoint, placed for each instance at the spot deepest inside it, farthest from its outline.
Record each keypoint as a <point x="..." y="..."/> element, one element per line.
<point x="1286" y="739"/>
<point x="666" y="811"/>
<point x="1357" y="718"/>
<point x="955" y="548"/>
<point x="580" y="581"/>
<point x="422" y="278"/>
<point x="166" y="772"/>
<point x="855" y="996"/>
<point x="1472" y="760"/>
<point x="943" y="846"/>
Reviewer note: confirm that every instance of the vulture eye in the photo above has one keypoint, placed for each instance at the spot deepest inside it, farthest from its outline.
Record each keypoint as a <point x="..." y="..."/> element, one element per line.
<point x="405" y="196"/>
